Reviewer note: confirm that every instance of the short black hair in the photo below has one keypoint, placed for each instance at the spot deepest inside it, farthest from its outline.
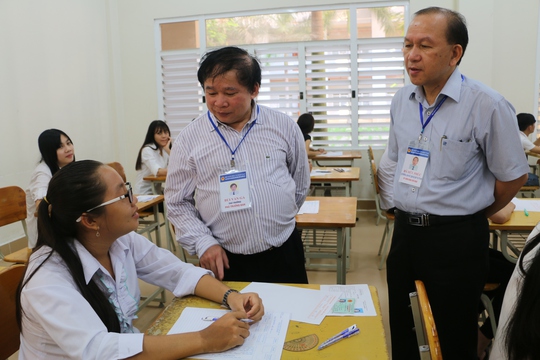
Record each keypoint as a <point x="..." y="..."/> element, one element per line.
<point x="525" y="120"/>
<point x="456" y="27"/>
<point x="306" y="122"/>
<point x="219" y="62"/>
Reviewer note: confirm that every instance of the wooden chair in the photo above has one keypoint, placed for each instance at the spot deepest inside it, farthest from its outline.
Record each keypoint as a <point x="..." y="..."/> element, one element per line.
<point x="119" y="168"/>
<point x="13" y="209"/>
<point x="429" y="346"/>
<point x="381" y="214"/>
<point x="9" y="330"/>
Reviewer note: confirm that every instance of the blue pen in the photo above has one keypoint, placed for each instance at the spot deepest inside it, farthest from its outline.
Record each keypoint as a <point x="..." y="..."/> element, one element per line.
<point x="210" y="318"/>
<point x="339" y="338"/>
<point x="344" y="332"/>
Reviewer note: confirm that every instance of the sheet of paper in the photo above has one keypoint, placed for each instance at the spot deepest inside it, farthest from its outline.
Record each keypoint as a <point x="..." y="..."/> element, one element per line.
<point x="530" y="205"/>
<point x="331" y="153"/>
<point x="265" y="341"/>
<point x="309" y="207"/>
<point x="145" y="198"/>
<point x="363" y="306"/>
<point x="317" y="172"/>
<point x="305" y="305"/>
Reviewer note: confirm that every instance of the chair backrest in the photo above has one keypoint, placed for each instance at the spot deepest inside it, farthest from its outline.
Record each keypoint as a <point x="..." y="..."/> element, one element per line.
<point x="9" y="330"/>
<point x="429" y="346"/>
<point x="370" y="153"/>
<point x="12" y="205"/>
<point x="119" y="168"/>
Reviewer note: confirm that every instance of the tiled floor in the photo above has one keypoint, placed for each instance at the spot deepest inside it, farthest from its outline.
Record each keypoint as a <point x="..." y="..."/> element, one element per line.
<point x="364" y="263"/>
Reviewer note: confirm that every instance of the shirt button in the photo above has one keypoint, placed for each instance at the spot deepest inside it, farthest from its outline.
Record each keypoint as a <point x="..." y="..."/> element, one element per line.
<point x="413" y="189"/>
<point x="428" y="113"/>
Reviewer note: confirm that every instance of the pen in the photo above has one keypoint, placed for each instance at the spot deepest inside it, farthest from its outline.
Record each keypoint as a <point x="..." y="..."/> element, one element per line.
<point x="211" y="318"/>
<point x="525" y="212"/>
<point x="339" y="338"/>
<point x="344" y="332"/>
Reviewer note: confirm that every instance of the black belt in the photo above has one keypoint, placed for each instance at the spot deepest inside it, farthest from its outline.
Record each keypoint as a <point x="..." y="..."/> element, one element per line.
<point x="430" y="219"/>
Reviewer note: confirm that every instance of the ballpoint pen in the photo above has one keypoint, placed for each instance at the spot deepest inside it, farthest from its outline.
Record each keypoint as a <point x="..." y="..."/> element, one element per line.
<point x="339" y="338"/>
<point x="344" y="332"/>
<point x="211" y="318"/>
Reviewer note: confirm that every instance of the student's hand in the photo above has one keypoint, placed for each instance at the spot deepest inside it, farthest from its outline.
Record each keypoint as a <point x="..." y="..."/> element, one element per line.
<point x="225" y="333"/>
<point x="251" y="303"/>
<point x="216" y="260"/>
<point x="322" y="151"/>
<point x="167" y="147"/>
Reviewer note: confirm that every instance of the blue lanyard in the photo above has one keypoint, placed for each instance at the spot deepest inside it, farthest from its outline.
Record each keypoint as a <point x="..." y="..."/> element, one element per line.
<point x="424" y="124"/>
<point x="225" y="141"/>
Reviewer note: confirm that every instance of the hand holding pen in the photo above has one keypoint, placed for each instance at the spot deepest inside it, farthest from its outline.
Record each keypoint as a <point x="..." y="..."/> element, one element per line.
<point x="350" y="331"/>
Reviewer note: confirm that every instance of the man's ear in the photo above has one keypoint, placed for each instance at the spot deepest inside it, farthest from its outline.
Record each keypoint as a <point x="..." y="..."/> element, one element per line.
<point x="89" y="222"/>
<point x="457" y="53"/>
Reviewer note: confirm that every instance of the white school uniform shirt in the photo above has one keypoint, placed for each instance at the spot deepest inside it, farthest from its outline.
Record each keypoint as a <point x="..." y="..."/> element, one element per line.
<point x="58" y="322"/>
<point x="498" y="351"/>
<point x="151" y="161"/>
<point x="37" y="189"/>
<point x="526" y="144"/>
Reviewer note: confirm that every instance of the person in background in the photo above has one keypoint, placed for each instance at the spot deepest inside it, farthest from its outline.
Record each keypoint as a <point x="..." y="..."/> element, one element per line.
<point x="518" y="334"/>
<point x="80" y="292"/>
<point x="526" y="124"/>
<point x="306" y="122"/>
<point x="57" y="151"/>
<point x="259" y="149"/>
<point x="458" y="125"/>
<point x="153" y="157"/>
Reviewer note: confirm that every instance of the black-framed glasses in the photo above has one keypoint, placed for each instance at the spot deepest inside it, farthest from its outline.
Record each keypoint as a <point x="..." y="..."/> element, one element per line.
<point x="128" y="195"/>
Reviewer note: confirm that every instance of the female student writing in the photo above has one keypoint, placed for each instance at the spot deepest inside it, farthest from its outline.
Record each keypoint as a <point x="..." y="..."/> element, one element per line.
<point x="153" y="157"/>
<point x="57" y="151"/>
<point x="80" y="292"/>
<point x="306" y="122"/>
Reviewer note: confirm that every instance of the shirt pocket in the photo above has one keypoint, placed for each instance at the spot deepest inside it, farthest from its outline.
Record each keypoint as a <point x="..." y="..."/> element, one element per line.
<point x="275" y="168"/>
<point x="453" y="159"/>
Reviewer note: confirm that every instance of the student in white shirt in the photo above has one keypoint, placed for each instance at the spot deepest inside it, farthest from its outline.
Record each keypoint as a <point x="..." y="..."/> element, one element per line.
<point x="80" y="292"/>
<point x="56" y="150"/>
<point x="153" y="157"/>
<point x="526" y="124"/>
<point x="306" y="122"/>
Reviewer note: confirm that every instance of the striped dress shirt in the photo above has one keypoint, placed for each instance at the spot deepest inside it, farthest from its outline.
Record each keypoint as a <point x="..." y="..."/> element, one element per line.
<point x="274" y="156"/>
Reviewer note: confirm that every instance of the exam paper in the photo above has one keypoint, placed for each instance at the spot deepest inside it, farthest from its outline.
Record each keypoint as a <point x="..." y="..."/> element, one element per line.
<point x="265" y="341"/>
<point x="309" y="207"/>
<point x="363" y="306"/>
<point x="530" y="205"/>
<point x="305" y="305"/>
<point x="331" y="153"/>
<point x="317" y="172"/>
<point x="145" y="198"/>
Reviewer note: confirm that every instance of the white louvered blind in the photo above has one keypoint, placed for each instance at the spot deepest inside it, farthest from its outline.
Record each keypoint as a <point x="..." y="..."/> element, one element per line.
<point x="182" y="94"/>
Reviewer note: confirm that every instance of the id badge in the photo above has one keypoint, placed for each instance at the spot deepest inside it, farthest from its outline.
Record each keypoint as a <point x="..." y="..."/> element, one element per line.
<point x="414" y="166"/>
<point x="234" y="191"/>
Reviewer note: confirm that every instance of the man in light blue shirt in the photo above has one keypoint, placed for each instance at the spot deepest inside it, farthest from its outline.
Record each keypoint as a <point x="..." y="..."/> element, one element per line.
<point x="475" y="165"/>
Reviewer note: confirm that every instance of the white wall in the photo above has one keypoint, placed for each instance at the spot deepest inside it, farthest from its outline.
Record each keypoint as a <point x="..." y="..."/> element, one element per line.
<point x="88" y="67"/>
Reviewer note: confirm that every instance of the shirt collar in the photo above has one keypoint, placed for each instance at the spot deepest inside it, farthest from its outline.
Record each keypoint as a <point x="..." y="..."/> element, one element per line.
<point x="90" y="264"/>
<point x="252" y="117"/>
<point x="452" y="89"/>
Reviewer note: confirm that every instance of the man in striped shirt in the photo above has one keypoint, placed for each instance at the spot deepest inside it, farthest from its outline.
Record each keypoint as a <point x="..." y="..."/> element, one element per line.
<point x="249" y="237"/>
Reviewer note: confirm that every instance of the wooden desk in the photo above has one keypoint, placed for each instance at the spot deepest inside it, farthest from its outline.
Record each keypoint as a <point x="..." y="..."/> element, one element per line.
<point x="149" y="226"/>
<point x="161" y="180"/>
<point x="347" y="155"/>
<point x="369" y="344"/>
<point x="335" y="213"/>
<point x="518" y="223"/>
<point x="530" y="153"/>
<point x="345" y="177"/>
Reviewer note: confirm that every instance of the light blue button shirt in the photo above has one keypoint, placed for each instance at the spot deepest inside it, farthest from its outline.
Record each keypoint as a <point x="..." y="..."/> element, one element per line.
<point x="473" y="140"/>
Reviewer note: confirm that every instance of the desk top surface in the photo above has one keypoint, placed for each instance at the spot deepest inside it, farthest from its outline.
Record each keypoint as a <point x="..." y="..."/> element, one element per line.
<point x="518" y="222"/>
<point x="333" y="212"/>
<point x="346" y="155"/>
<point x="369" y="344"/>
<point x="143" y="205"/>
<point x="155" y="178"/>
<point x="351" y="174"/>
<point x="530" y="153"/>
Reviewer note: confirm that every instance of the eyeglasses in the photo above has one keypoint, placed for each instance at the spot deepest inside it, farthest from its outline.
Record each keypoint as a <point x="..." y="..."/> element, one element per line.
<point x="128" y="195"/>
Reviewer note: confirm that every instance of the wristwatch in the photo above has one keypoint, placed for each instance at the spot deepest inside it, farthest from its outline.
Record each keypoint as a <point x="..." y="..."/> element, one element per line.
<point x="226" y="297"/>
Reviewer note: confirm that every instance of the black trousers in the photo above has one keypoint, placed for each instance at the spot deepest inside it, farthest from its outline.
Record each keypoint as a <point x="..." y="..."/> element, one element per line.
<point x="284" y="264"/>
<point x="452" y="261"/>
